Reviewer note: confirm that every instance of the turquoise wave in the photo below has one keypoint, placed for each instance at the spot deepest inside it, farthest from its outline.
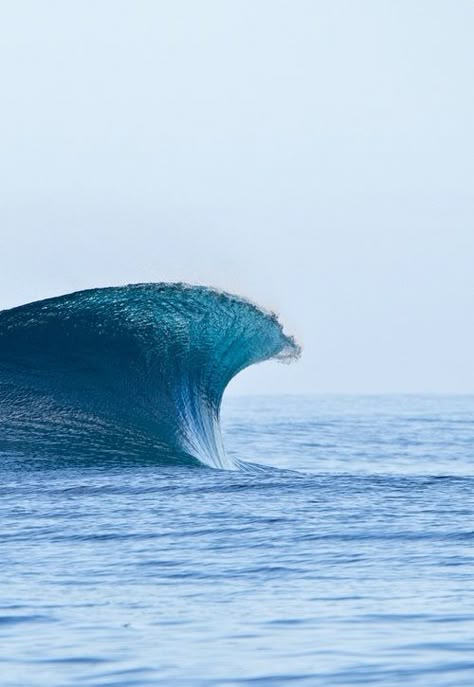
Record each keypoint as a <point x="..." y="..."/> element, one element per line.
<point x="128" y="372"/>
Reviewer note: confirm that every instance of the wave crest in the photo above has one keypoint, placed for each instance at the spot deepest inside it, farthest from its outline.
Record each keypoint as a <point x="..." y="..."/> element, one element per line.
<point x="137" y="370"/>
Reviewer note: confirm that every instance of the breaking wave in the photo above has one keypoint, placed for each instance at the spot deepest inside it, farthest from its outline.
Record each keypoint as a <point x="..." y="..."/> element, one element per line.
<point x="133" y="371"/>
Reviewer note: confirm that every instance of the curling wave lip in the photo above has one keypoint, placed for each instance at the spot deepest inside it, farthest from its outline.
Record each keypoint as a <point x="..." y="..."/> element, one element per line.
<point x="128" y="372"/>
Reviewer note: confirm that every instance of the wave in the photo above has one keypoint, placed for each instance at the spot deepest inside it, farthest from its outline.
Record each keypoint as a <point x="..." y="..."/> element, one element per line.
<point x="137" y="371"/>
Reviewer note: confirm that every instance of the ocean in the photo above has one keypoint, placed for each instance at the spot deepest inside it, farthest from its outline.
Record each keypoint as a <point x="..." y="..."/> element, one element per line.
<point x="346" y="560"/>
<point x="152" y="536"/>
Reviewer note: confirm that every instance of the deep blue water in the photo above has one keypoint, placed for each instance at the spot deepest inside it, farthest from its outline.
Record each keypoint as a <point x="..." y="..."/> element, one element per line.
<point x="136" y="371"/>
<point x="348" y="562"/>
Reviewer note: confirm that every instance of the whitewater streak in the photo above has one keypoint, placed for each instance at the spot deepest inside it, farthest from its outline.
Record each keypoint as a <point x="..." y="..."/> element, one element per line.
<point x="132" y="371"/>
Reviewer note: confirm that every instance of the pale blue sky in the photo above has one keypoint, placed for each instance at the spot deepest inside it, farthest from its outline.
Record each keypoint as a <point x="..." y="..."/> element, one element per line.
<point x="317" y="157"/>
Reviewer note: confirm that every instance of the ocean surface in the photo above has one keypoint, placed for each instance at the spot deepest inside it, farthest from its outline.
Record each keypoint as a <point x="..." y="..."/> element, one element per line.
<point x="347" y="560"/>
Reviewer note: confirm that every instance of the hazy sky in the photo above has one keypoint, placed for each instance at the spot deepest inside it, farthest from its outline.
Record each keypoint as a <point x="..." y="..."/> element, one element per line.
<point x="315" y="156"/>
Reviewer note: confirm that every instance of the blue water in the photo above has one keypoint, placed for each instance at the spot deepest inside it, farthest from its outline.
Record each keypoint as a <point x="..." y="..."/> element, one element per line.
<point x="311" y="541"/>
<point x="349" y="561"/>
<point x="135" y="371"/>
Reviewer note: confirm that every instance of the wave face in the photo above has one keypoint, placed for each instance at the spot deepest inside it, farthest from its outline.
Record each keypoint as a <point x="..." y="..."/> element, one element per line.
<point x="136" y="371"/>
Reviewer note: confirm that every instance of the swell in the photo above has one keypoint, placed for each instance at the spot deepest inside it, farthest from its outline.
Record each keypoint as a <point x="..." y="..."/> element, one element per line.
<point x="136" y="371"/>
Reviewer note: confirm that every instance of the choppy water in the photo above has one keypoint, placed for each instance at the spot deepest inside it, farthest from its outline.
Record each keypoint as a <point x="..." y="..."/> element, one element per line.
<point x="355" y="569"/>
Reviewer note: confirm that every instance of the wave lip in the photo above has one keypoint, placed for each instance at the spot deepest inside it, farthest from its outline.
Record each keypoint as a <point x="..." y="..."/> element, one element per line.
<point x="136" y="370"/>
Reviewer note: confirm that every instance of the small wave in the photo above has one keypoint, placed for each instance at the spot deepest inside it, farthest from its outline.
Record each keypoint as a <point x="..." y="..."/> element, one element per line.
<point x="128" y="372"/>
